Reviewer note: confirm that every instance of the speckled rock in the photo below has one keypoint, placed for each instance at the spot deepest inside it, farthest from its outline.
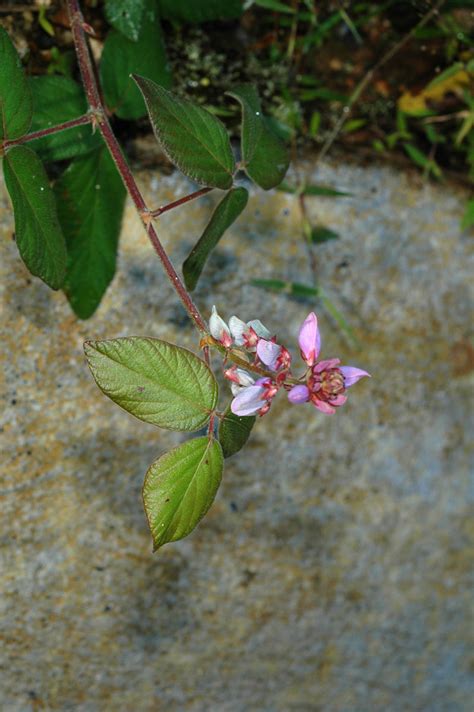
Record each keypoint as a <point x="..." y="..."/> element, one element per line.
<point x="332" y="572"/>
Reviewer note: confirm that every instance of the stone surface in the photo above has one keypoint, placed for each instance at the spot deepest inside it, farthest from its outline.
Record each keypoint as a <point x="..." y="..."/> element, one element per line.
<point x="332" y="572"/>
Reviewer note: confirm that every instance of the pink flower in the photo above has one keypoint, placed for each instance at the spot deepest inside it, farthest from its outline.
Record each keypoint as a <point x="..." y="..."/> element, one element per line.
<point x="254" y="399"/>
<point x="273" y="355"/>
<point x="309" y="339"/>
<point x="326" y="381"/>
<point x="219" y="329"/>
<point x="248" y="334"/>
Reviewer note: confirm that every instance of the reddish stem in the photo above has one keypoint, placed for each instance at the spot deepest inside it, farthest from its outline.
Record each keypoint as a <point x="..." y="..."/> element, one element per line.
<point x="97" y="109"/>
<point x="164" y="209"/>
<point x="84" y="119"/>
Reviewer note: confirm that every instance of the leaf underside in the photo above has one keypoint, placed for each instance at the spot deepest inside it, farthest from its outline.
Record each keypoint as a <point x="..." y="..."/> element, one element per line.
<point x="91" y="197"/>
<point x="180" y="487"/>
<point x="194" y="140"/>
<point x="226" y="212"/>
<point x="265" y="156"/>
<point x="38" y="233"/>
<point x="158" y="382"/>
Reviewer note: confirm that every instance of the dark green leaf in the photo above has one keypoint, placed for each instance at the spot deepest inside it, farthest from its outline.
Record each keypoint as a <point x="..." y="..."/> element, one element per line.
<point x="90" y="196"/>
<point x="195" y="141"/>
<point x="15" y="95"/>
<point x="200" y="10"/>
<point x="234" y="431"/>
<point x="265" y="156"/>
<point x="224" y="215"/>
<point x="38" y="232"/>
<point x="122" y="57"/>
<point x="180" y="487"/>
<point x="126" y="16"/>
<point x="58" y="99"/>
<point x="319" y="233"/>
<point x="295" y="289"/>
<point x="157" y="382"/>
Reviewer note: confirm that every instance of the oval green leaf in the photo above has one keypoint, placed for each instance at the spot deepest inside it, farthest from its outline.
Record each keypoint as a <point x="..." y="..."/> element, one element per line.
<point x="193" y="139"/>
<point x="155" y="381"/>
<point x="38" y="233"/>
<point x="15" y="96"/>
<point x="55" y="100"/>
<point x="126" y="16"/>
<point x="123" y="57"/>
<point x="265" y="156"/>
<point x="223" y="216"/>
<point x="234" y="431"/>
<point x="180" y="487"/>
<point x="91" y="198"/>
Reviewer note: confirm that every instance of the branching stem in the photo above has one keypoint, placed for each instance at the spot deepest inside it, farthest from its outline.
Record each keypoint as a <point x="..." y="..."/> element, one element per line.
<point x="98" y="111"/>
<point x="181" y="201"/>
<point x="84" y="119"/>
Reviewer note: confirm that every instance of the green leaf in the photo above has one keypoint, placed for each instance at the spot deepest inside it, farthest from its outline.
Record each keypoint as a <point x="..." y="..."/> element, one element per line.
<point x="265" y="156"/>
<point x="180" y="487"/>
<point x="15" y="96"/>
<point x="421" y="160"/>
<point x="319" y="234"/>
<point x="195" y="141"/>
<point x="126" y="16"/>
<point x="122" y="57"/>
<point x="157" y="382"/>
<point x="38" y="232"/>
<point x="324" y="191"/>
<point x="200" y="10"/>
<point x="234" y="431"/>
<point x="57" y="99"/>
<point x="90" y="196"/>
<point x="294" y="289"/>
<point x="274" y="5"/>
<point x="468" y="217"/>
<point x="223" y="216"/>
<point x="445" y="74"/>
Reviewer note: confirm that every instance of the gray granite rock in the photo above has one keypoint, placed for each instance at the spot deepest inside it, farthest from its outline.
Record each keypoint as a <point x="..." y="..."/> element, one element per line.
<point x="333" y="571"/>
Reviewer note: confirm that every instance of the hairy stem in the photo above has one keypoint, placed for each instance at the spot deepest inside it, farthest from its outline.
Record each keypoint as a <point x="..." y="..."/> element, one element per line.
<point x="98" y="111"/>
<point x="84" y="119"/>
<point x="176" y="203"/>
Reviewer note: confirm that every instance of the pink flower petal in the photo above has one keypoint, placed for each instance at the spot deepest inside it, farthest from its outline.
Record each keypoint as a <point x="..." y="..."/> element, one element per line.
<point x="338" y="400"/>
<point x="268" y="353"/>
<point x="309" y="339"/>
<point x="326" y="365"/>
<point x="323" y="407"/>
<point x="248" y="401"/>
<point x="352" y="374"/>
<point x="298" y="394"/>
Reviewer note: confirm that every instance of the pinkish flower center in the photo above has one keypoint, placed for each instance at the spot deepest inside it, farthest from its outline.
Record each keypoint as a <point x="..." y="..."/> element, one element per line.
<point x="327" y="384"/>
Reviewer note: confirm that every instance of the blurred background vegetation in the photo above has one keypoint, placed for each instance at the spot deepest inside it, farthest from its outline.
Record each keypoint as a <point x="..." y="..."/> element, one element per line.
<point x="389" y="80"/>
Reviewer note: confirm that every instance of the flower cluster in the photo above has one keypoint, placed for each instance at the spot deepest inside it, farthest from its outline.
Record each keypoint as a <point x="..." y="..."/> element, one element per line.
<point x="324" y="383"/>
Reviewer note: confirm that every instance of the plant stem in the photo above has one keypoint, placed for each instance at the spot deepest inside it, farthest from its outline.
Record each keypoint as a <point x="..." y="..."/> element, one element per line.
<point x="84" y="119"/>
<point x="98" y="111"/>
<point x="164" y="209"/>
